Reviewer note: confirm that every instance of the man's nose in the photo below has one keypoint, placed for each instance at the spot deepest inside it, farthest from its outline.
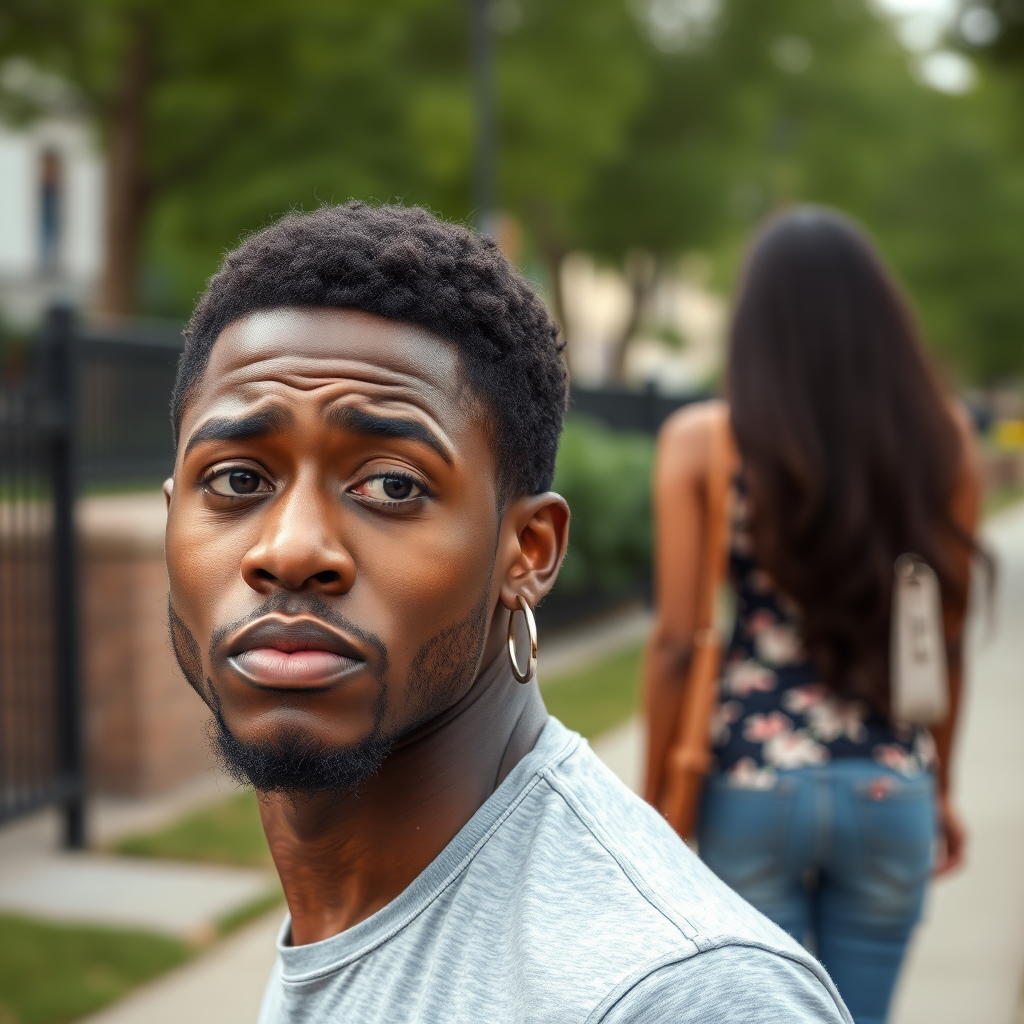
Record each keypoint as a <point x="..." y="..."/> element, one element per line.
<point x="299" y="547"/>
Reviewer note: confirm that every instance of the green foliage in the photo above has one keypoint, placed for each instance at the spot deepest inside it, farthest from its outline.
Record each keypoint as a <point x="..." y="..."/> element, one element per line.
<point x="671" y="337"/>
<point x="605" y="477"/>
<point x="598" y="696"/>
<point x="1006" y="47"/>
<point x="51" y="974"/>
<point x="225" y="832"/>
<point x="813" y="101"/>
<point x="609" y="137"/>
<point x="256" y="108"/>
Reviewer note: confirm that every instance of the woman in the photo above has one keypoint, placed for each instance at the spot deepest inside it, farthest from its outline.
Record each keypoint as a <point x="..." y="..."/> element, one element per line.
<point x="843" y="453"/>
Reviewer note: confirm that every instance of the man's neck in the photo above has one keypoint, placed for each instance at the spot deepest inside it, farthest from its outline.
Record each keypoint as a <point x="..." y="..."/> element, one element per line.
<point x="341" y="859"/>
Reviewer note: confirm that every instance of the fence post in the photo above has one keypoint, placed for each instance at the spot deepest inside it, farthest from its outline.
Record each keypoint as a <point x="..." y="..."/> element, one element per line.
<point x="64" y="382"/>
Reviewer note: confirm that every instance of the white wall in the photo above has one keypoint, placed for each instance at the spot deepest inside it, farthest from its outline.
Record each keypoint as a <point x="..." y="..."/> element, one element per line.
<point x="18" y="204"/>
<point x="24" y="289"/>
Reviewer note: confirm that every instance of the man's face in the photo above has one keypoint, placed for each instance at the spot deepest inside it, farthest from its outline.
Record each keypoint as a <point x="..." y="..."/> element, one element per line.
<point x="331" y="536"/>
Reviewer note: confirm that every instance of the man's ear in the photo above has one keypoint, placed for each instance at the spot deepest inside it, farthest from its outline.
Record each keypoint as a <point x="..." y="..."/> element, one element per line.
<point x="168" y="488"/>
<point x="537" y="528"/>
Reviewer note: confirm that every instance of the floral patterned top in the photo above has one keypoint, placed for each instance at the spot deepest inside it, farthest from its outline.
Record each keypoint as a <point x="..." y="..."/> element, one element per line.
<point x="773" y="713"/>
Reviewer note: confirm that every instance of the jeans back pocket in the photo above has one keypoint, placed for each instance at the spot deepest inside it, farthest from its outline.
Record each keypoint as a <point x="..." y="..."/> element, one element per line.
<point x="897" y="817"/>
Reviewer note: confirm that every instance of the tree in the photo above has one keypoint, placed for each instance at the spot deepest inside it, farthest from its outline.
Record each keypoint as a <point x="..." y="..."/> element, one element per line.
<point x="995" y="29"/>
<point x="170" y="85"/>
<point x="811" y="101"/>
<point x="768" y="104"/>
<point x="217" y="116"/>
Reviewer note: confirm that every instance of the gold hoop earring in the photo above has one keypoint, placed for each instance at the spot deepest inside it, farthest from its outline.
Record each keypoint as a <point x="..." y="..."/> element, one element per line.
<point x="531" y="625"/>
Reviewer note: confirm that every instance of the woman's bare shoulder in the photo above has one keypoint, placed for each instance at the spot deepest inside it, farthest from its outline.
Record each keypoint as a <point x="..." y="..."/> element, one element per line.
<point x="968" y="435"/>
<point x="684" y="441"/>
<point x="694" y="421"/>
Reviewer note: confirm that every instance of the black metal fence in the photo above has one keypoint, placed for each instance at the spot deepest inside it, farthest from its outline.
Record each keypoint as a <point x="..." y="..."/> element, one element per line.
<point x="40" y="707"/>
<point x="83" y="408"/>
<point x="125" y="379"/>
<point x="642" y="411"/>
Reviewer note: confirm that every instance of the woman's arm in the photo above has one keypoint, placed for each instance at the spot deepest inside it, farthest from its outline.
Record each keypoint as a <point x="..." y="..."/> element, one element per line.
<point x="965" y="510"/>
<point x="680" y="482"/>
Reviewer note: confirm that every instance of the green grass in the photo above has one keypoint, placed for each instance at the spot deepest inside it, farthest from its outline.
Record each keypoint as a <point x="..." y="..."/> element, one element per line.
<point x="51" y="973"/>
<point x="598" y="696"/>
<point x="253" y="909"/>
<point x="226" y="832"/>
<point x="1001" y="499"/>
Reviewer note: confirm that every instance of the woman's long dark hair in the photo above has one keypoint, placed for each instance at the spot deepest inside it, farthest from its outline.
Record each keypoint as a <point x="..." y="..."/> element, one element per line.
<point x="849" y="447"/>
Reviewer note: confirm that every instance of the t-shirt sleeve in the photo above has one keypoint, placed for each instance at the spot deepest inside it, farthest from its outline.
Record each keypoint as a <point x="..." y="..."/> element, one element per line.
<point x="730" y="985"/>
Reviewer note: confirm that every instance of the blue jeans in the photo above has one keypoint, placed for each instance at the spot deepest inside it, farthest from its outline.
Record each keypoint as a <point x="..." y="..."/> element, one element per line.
<point x="839" y="857"/>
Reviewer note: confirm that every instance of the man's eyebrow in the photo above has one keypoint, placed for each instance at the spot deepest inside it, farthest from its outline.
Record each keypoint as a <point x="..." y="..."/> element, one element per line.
<point x="359" y="421"/>
<point x="245" y="428"/>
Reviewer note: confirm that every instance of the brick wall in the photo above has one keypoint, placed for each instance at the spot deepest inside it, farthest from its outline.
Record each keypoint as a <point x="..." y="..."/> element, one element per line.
<point x="146" y="730"/>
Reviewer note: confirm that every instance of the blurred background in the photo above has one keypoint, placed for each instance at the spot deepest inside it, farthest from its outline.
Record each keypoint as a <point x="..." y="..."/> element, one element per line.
<point x="620" y="152"/>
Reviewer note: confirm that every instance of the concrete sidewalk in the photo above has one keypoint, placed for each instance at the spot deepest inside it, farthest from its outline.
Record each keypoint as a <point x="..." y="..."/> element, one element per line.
<point x="568" y="649"/>
<point x="184" y="900"/>
<point x="39" y="879"/>
<point x="967" y="959"/>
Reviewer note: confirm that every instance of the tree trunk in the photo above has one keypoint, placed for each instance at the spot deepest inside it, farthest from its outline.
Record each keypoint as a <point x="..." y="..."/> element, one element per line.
<point x="127" y="197"/>
<point x="552" y="251"/>
<point x="553" y="257"/>
<point x="642" y="275"/>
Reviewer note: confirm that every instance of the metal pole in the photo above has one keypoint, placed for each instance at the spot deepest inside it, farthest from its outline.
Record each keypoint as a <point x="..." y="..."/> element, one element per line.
<point x="60" y="329"/>
<point x="481" y="39"/>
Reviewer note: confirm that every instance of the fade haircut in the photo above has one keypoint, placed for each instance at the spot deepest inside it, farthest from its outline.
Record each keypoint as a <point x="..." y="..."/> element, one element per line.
<point x="403" y="264"/>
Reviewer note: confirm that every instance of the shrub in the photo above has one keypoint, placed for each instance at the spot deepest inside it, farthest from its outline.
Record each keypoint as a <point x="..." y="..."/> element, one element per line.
<point x="605" y="476"/>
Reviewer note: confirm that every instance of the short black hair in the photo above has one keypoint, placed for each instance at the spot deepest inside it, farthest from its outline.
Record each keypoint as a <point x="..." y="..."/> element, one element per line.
<point x="404" y="264"/>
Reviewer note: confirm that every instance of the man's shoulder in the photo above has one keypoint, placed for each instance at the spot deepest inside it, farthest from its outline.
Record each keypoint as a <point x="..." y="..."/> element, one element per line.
<point x="650" y="866"/>
<point x="726" y="984"/>
<point x="565" y="899"/>
<point x="618" y="893"/>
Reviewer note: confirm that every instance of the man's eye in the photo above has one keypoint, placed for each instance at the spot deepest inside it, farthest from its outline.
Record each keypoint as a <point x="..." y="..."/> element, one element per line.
<point x="390" y="487"/>
<point x="235" y="482"/>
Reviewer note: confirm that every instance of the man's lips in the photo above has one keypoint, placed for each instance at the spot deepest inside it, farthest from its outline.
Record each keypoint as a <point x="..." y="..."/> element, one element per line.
<point x="288" y="653"/>
<point x="269" y="666"/>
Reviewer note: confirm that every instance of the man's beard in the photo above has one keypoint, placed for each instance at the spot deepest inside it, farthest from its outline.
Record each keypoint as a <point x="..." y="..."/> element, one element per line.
<point x="293" y="762"/>
<point x="296" y="763"/>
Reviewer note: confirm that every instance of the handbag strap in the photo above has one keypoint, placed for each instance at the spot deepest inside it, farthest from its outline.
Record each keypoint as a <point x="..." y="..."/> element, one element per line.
<point x="677" y="790"/>
<point x="716" y="528"/>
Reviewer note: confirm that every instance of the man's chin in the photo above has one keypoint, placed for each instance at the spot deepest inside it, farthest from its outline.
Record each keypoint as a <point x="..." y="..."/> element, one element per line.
<point x="295" y="762"/>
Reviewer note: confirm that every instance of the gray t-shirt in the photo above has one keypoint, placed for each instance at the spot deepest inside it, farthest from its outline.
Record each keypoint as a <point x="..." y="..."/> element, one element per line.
<point x="565" y="898"/>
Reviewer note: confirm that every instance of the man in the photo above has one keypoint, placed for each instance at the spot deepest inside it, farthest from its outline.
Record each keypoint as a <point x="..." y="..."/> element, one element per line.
<point x="367" y="412"/>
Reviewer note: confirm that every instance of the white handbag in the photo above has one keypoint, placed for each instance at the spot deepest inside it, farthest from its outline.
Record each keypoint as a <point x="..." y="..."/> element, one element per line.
<point x="919" y="685"/>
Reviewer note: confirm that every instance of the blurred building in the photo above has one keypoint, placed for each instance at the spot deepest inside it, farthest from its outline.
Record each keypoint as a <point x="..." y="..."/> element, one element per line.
<point x="51" y="216"/>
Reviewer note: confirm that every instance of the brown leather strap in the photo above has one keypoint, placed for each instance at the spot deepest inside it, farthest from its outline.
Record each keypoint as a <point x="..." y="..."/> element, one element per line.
<point x="690" y="753"/>
<point x="716" y="525"/>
